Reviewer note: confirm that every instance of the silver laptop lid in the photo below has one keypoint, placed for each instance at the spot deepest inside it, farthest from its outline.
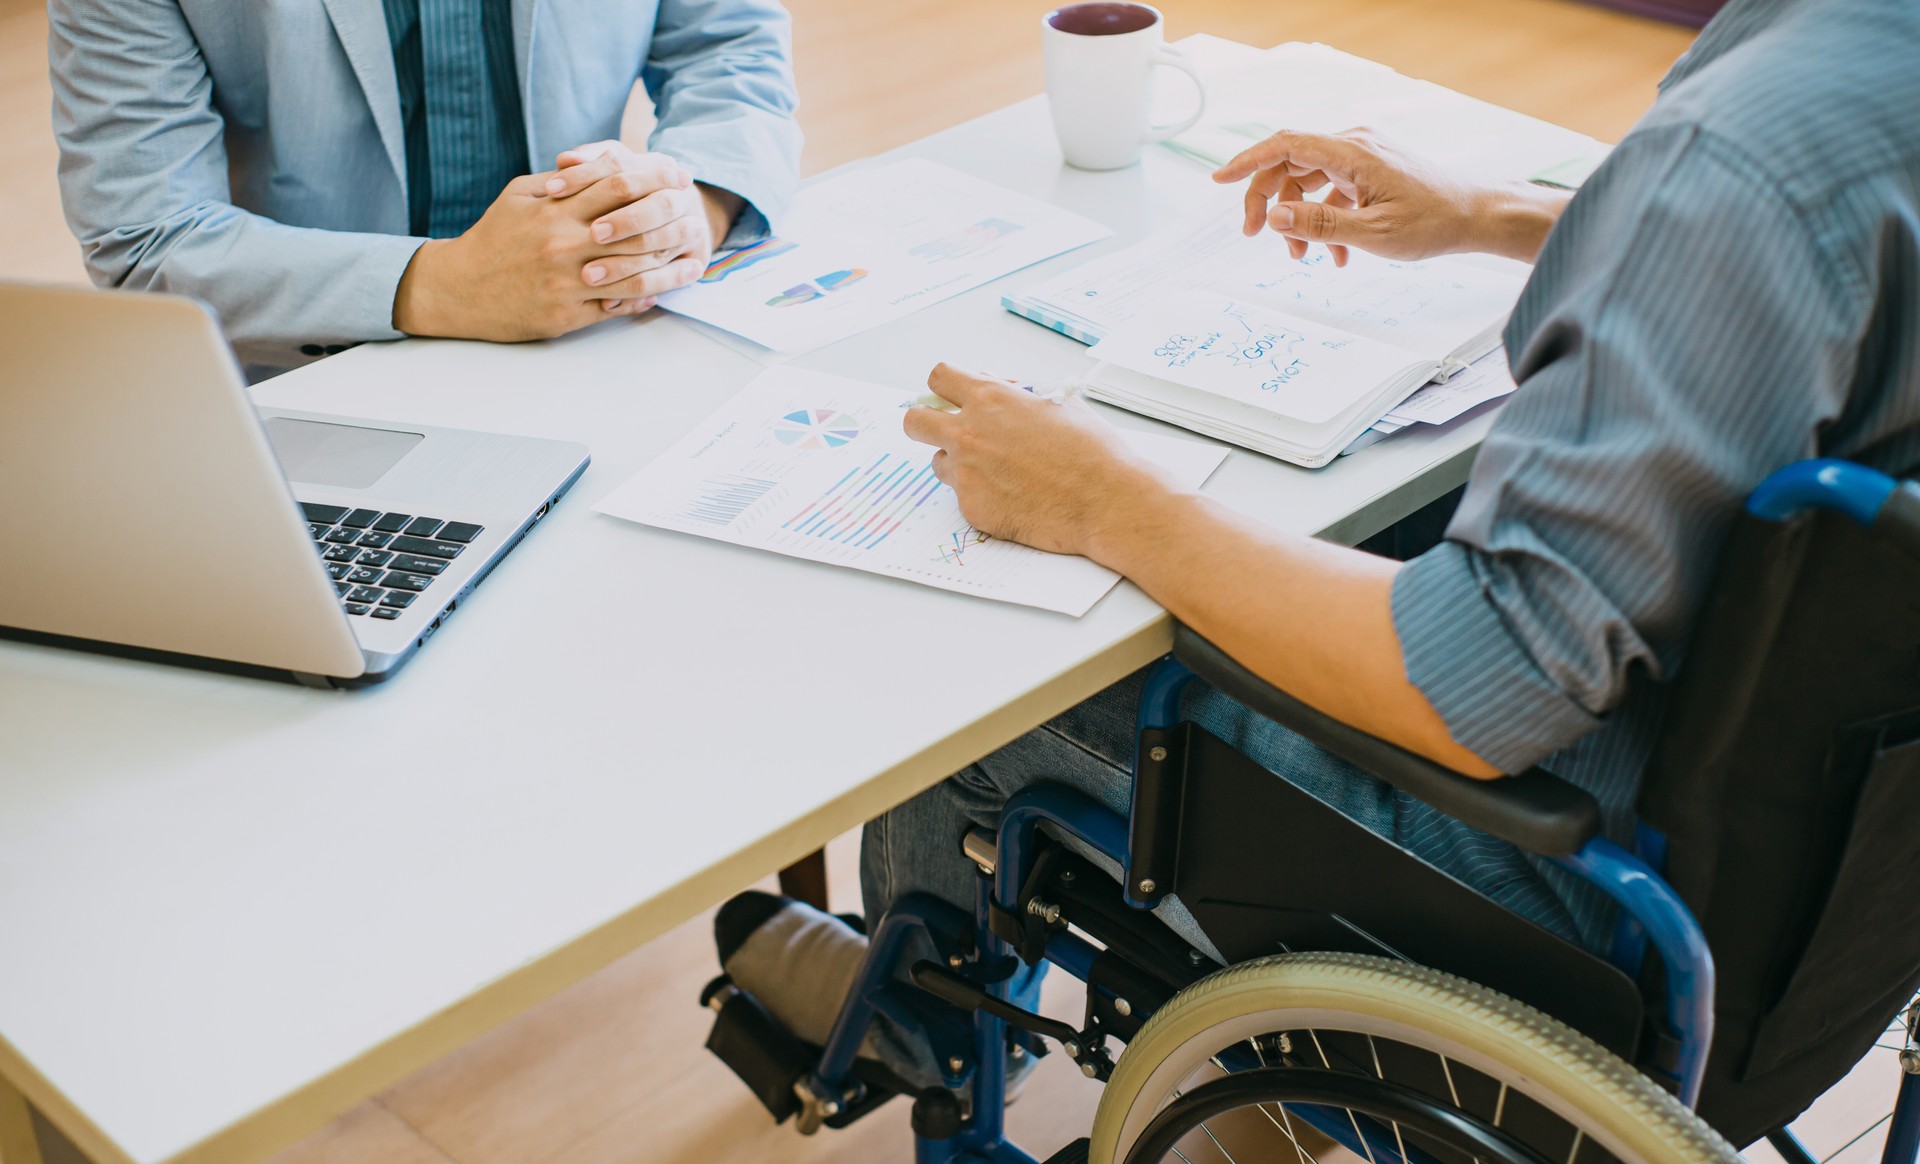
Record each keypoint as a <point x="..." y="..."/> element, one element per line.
<point x="143" y="505"/>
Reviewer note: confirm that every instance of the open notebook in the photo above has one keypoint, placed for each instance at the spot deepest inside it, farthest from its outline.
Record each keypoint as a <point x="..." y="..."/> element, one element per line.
<point x="1231" y="337"/>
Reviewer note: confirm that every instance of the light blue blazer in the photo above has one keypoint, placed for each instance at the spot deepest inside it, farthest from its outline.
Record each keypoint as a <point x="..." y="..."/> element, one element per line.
<point x="250" y="152"/>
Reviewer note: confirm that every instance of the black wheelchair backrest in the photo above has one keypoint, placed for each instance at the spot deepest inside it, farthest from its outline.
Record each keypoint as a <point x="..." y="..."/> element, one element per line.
<point x="1786" y="782"/>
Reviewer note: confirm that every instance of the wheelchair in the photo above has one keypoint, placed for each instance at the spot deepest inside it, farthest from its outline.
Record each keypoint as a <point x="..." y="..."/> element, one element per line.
<point x="1768" y="914"/>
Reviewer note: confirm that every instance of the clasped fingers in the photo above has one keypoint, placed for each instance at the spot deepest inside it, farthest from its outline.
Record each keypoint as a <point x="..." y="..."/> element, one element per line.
<point x="663" y="211"/>
<point x="642" y="276"/>
<point x="583" y="169"/>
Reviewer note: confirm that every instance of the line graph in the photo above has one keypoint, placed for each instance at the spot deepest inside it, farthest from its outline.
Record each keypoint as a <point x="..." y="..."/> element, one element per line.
<point x="953" y="551"/>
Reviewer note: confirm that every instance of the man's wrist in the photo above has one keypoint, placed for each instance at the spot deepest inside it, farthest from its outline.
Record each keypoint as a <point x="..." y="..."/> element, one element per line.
<point x="418" y="306"/>
<point x="1140" y="513"/>
<point x="1515" y="218"/>
<point x="722" y="208"/>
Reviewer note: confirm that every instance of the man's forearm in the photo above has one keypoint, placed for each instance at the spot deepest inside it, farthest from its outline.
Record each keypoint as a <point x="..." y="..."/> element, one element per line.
<point x="1310" y="617"/>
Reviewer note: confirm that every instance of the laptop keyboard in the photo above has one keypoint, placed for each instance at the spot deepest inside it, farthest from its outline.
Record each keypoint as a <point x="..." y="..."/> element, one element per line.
<point x="380" y="562"/>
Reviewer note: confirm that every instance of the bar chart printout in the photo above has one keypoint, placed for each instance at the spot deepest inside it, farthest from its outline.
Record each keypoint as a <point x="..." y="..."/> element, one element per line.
<point x="868" y="504"/>
<point x="867" y="498"/>
<point x="722" y="499"/>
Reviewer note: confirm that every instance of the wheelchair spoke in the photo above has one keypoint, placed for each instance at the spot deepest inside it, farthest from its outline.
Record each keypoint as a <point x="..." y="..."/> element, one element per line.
<point x="1324" y="1061"/>
<point x="1339" y="1052"/>
<point x="1286" y="1128"/>
<point x="1351" y="1118"/>
<point x="1218" y="1144"/>
<point x="1446" y="1069"/>
<point x="1399" y="1142"/>
<point x="1863" y="1135"/>
<point x="1300" y="1153"/>
<point x="1297" y="1054"/>
<point x="1178" y="1093"/>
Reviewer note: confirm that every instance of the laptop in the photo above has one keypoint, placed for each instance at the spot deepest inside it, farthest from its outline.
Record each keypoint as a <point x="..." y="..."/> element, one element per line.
<point x="147" y="508"/>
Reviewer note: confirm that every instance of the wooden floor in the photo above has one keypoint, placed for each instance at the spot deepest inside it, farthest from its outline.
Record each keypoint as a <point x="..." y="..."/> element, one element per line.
<point x="610" y="1071"/>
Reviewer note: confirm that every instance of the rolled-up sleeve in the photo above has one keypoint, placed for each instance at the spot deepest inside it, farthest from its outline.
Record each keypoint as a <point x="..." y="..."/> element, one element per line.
<point x="721" y="77"/>
<point x="1687" y="332"/>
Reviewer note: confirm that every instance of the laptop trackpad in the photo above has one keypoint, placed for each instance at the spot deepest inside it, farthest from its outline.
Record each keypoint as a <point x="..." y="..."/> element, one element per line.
<point x="344" y="456"/>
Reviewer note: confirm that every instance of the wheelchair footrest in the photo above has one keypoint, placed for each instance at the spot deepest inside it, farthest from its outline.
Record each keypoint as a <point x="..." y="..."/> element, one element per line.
<point x="1074" y="1153"/>
<point x="772" y="1061"/>
<point x="766" y="1057"/>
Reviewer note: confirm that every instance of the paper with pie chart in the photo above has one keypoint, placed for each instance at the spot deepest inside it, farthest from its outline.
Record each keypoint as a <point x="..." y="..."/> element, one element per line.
<point x="870" y="245"/>
<point x="817" y="466"/>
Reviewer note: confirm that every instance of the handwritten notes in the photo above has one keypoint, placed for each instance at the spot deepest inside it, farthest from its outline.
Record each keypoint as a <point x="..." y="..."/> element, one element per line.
<point x="1284" y="363"/>
<point x="1431" y="307"/>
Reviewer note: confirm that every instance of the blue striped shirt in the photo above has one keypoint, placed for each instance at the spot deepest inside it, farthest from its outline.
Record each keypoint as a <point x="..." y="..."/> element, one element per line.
<point x="1737" y="288"/>
<point x="460" y="106"/>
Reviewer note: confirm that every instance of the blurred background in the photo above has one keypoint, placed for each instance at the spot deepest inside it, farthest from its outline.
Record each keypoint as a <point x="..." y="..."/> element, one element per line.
<point x="876" y="75"/>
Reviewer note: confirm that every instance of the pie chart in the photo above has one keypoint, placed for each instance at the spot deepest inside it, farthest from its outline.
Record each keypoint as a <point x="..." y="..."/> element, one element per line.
<point x="816" y="428"/>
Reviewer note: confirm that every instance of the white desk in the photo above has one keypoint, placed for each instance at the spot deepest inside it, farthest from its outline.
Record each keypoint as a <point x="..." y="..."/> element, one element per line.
<point x="230" y="908"/>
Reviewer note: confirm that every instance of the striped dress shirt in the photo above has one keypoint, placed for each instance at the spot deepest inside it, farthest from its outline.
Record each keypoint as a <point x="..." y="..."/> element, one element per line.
<point x="1737" y="288"/>
<point x="460" y="106"/>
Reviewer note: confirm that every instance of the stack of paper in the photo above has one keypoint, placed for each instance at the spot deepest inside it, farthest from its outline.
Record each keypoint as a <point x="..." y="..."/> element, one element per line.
<point x="870" y="245"/>
<point x="817" y="466"/>
<point x="1444" y="401"/>
<point x="1232" y="337"/>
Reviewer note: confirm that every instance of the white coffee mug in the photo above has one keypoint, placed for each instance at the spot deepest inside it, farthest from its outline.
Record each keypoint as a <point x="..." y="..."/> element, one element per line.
<point x="1100" y="61"/>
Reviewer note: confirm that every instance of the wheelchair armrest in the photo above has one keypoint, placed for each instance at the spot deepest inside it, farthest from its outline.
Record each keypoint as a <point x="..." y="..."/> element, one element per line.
<point x="1535" y="810"/>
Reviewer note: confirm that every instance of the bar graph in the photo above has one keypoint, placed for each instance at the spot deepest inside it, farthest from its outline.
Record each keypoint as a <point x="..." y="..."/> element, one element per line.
<point x="868" y="504"/>
<point x="722" y="499"/>
<point x="816" y="466"/>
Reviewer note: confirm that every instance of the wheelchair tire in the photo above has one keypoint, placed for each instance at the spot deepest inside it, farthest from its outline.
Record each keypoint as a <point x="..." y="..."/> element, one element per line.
<point x="1602" y="1096"/>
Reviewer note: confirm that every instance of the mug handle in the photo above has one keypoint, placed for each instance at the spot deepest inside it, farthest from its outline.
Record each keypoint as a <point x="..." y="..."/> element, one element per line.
<point x="1170" y="57"/>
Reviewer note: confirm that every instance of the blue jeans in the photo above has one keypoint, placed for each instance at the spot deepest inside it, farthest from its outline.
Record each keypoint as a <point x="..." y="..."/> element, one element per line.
<point x="916" y="847"/>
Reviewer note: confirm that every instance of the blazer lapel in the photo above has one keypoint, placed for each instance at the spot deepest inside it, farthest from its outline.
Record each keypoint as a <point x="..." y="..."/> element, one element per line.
<point x="362" y="28"/>
<point x="525" y="16"/>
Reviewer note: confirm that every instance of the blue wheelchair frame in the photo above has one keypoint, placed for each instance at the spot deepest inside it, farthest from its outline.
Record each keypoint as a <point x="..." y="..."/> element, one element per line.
<point x="1650" y="912"/>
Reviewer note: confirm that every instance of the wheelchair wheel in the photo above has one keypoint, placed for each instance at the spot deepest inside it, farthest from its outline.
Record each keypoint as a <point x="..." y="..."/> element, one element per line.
<point x="1420" y="1066"/>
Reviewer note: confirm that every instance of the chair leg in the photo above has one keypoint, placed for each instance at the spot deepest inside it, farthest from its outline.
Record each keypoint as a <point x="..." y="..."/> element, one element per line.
<point x="806" y="879"/>
<point x="1789" y="1146"/>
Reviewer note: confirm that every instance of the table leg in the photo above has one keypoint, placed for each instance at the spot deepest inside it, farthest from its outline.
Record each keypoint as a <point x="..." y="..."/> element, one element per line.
<point x="806" y="879"/>
<point x="18" y="1142"/>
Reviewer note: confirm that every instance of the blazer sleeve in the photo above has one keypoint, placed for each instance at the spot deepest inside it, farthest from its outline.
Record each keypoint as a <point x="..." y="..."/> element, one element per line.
<point x="143" y="179"/>
<point x="721" y="77"/>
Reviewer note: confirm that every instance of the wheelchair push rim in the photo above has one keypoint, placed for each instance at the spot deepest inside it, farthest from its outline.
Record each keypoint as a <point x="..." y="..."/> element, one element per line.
<point x="1473" y="1031"/>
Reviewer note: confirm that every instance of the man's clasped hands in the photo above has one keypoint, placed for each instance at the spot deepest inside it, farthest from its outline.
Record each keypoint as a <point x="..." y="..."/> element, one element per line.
<point x="604" y="233"/>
